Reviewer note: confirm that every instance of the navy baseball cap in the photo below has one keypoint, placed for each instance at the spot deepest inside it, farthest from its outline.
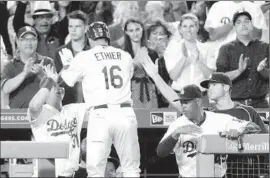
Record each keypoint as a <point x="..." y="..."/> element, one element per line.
<point x="189" y="92"/>
<point x="239" y="13"/>
<point x="25" y="30"/>
<point x="217" y="77"/>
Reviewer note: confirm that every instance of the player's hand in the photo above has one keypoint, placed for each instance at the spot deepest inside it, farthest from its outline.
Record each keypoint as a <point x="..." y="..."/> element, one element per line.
<point x="242" y="64"/>
<point x="51" y="72"/>
<point x="140" y="55"/>
<point x="232" y="134"/>
<point x="262" y="65"/>
<point x="150" y="68"/>
<point x="66" y="56"/>
<point x="186" y="129"/>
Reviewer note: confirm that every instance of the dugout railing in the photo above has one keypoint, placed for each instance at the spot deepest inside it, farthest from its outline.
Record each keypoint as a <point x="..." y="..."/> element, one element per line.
<point x="255" y="147"/>
<point x="41" y="151"/>
<point x="152" y="126"/>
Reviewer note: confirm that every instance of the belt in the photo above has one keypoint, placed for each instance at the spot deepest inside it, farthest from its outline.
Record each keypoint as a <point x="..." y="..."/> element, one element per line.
<point x="104" y="106"/>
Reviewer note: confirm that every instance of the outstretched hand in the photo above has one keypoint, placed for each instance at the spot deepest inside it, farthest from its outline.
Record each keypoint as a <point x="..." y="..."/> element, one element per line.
<point x="150" y="68"/>
<point x="50" y="72"/>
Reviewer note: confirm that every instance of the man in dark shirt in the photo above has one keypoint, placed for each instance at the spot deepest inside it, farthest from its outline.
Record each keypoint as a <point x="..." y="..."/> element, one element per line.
<point x="78" y="22"/>
<point x="219" y="89"/>
<point x="246" y="61"/>
<point x="21" y="76"/>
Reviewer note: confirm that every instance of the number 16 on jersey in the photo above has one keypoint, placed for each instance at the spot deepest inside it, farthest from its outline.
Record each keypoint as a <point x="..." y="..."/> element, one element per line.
<point x="112" y="79"/>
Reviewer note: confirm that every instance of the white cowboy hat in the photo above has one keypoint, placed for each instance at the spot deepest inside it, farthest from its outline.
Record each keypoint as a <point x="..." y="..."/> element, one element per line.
<point x="42" y="7"/>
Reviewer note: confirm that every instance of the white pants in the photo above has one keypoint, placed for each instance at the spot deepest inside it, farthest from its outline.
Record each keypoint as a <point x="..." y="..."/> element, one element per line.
<point x="107" y="126"/>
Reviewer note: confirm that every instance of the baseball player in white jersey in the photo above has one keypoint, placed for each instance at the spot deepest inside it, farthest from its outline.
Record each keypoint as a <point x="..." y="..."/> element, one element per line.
<point x="182" y="135"/>
<point x="105" y="73"/>
<point x="50" y="121"/>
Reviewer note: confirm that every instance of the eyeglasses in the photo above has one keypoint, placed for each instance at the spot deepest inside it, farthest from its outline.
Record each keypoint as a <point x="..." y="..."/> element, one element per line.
<point x="31" y="40"/>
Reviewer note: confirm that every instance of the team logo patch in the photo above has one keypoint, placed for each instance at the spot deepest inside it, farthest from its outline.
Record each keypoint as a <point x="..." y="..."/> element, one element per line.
<point x="162" y="118"/>
<point x="28" y="28"/>
<point x="182" y="92"/>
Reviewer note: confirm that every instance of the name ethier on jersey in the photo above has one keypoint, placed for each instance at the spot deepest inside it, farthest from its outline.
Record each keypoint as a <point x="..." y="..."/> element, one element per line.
<point x="108" y="56"/>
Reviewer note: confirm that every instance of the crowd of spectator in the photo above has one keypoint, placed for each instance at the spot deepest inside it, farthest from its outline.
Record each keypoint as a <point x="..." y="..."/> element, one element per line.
<point x="187" y="41"/>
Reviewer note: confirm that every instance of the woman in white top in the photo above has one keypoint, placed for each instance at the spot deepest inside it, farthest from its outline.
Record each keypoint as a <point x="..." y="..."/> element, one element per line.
<point x="188" y="61"/>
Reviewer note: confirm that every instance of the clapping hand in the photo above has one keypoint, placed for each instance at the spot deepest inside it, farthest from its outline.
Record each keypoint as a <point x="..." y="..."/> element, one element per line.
<point x="37" y="68"/>
<point x="262" y="65"/>
<point x="242" y="64"/>
<point x="28" y="66"/>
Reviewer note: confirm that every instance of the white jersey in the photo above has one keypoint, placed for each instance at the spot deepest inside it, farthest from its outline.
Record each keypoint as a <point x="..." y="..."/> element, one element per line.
<point x="52" y="125"/>
<point x="185" y="149"/>
<point x="105" y="73"/>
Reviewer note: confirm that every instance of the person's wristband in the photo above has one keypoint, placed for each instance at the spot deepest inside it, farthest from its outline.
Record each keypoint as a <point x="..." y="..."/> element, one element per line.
<point x="47" y="82"/>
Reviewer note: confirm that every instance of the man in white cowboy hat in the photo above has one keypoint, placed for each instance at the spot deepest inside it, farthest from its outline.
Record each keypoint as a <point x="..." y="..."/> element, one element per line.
<point x="49" y="38"/>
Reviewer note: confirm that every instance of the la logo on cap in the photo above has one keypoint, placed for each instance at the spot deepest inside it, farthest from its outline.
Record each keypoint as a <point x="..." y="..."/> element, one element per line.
<point x="28" y="28"/>
<point x="182" y="92"/>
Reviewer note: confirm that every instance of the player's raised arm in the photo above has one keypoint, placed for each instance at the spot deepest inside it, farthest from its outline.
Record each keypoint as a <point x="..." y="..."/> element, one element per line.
<point x="35" y="105"/>
<point x="75" y="71"/>
<point x="165" y="89"/>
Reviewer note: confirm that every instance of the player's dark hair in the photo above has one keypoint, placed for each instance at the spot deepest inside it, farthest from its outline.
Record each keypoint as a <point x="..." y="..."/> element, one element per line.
<point x="157" y="24"/>
<point x="127" y="40"/>
<point x="78" y="15"/>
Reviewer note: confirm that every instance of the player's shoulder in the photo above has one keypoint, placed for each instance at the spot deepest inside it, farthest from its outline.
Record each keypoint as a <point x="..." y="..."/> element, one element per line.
<point x="119" y="50"/>
<point x="45" y="112"/>
<point x="216" y="116"/>
<point x="85" y="53"/>
<point x="182" y="120"/>
<point x="245" y="107"/>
